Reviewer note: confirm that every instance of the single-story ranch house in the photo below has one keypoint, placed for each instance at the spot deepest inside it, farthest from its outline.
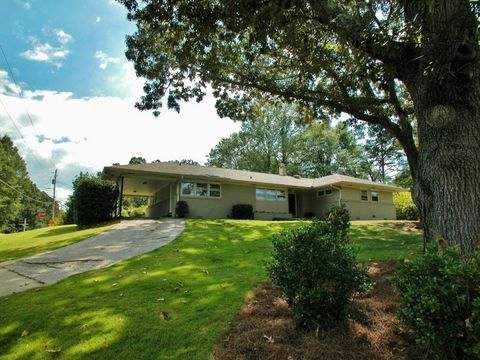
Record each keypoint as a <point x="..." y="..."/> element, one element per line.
<point x="211" y="192"/>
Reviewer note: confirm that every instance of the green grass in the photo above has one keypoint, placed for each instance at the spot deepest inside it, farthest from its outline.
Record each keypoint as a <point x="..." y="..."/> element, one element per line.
<point x="380" y="241"/>
<point x="199" y="280"/>
<point x="22" y="244"/>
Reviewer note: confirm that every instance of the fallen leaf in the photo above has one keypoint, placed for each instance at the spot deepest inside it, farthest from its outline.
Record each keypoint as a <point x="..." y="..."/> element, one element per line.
<point x="163" y="315"/>
<point x="269" y="339"/>
<point x="53" y="351"/>
<point x="25" y="332"/>
<point x="184" y="301"/>
<point x="114" y="284"/>
<point x="161" y="299"/>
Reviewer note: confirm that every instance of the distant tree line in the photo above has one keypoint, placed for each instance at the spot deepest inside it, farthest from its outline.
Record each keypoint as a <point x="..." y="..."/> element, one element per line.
<point x="310" y="148"/>
<point x="20" y="198"/>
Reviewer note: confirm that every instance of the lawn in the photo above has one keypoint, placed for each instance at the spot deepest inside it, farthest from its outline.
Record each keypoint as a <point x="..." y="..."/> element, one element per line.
<point x="22" y="244"/>
<point x="173" y="303"/>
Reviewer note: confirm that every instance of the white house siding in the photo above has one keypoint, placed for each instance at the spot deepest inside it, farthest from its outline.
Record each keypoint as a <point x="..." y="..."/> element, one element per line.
<point x="369" y="210"/>
<point x="212" y="208"/>
<point x="160" y="203"/>
<point x="268" y="210"/>
<point x="318" y="205"/>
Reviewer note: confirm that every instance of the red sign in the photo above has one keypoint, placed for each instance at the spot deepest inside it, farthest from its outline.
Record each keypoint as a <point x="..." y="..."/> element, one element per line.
<point x="42" y="215"/>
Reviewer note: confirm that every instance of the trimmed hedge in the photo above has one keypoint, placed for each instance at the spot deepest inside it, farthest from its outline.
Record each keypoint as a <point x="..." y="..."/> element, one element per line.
<point x="440" y="295"/>
<point x="94" y="201"/>
<point x="181" y="209"/>
<point x="316" y="270"/>
<point x="242" y="212"/>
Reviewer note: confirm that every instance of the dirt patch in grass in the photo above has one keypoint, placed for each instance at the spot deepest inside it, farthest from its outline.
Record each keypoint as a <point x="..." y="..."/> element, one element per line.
<point x="265" y="329"/>
<point x="405" y="225"/>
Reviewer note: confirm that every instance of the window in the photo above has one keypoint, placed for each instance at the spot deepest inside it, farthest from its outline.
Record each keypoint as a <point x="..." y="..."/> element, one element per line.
<point x="260" y="194"/>
<point x="324" y="192"/>
<point x="364" y="195"/>
<point x="374" y="195"/>
<point x="281" y="195"/>
<point x="187" y="188"/>
<point x="270" y="195"/>
<point x="214" y="190"/>
<point x="201" y="190"/>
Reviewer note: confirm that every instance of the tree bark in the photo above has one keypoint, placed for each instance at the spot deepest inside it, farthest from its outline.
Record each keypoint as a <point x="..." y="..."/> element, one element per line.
<point x="445" y="90"/>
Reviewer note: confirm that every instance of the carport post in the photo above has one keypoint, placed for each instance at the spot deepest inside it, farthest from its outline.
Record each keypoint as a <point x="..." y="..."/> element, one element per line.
<point x="121" y="198"/>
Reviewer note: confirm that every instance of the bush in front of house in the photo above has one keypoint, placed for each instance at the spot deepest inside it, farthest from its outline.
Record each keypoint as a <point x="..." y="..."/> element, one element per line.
<point x="404" y="206"/>
<point x="440" y="302"/>
<point x="316" y="271"/>
<point x="181" y="209"/>
<point x="94" y="200"/>
<point x="242" y="212"/>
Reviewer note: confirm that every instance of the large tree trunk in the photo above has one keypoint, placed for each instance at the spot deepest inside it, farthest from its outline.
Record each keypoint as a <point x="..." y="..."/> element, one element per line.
<point x="445" y="89"/>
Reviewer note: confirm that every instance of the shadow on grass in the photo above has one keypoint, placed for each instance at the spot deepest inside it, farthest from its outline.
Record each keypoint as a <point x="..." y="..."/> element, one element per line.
<point x="54" y="231"/>
<point x="173" y="303"/>
<point x="117" y="312"/>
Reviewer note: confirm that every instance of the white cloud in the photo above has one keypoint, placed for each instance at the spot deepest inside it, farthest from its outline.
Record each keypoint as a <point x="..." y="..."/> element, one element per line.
<point x="62" y="36"/>
<point x="98" y="19"/>
<point x="25" y="4"/>
<point x="104" y="59"/>
<point x="44" y="51"/>
<point x="99" y="131"/>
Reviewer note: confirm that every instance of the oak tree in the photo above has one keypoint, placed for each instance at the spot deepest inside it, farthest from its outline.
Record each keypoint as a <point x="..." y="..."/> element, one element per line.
<point x="392" y="63"/>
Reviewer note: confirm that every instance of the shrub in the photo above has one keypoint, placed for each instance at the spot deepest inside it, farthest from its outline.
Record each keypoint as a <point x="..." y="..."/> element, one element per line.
<point x="338" y="218"/>
<point x="404" y="206"/>
<point x="440" y="296"/>
<point x="410" y="212"/>
<point x="242" y="211"/>
<point x="181" y="209"/>
<point x="316" y="272"/>
<point x="94" y="200"/>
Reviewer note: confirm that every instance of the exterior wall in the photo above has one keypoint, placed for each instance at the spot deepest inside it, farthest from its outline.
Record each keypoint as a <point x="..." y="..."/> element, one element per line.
<point x="317" y="204"/>
<point x="268" y="210"/>
<point x="160" y="203"/>
<point x="212" y="208"/>
<point x="368" y="210"/>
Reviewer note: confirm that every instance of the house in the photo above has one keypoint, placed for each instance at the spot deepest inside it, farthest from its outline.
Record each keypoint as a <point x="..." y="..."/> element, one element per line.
<point x="211" y="192"/>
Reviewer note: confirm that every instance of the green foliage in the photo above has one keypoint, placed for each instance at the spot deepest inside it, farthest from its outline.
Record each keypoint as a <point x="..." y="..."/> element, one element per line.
<point x="20" y="199"/>
<point x="181" y="209"/>
<point x="94" y="200"/>
<point x="404" y="206"/>
<point x="316" y="271"/>
<point x="137" y="160"/>
<point x="338" y="218"/>
<point x="440" y="295"/>
<point x="242" y="211"/>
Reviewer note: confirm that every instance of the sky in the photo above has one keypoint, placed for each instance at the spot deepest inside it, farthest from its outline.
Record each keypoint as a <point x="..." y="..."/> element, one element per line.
<point x="67" y="94"/>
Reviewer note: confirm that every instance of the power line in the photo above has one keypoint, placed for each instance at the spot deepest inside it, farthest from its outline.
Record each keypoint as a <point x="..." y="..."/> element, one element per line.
<point x="22" y="193"/>
<point x="20" y="92"/>
<point x="11" y="119"/>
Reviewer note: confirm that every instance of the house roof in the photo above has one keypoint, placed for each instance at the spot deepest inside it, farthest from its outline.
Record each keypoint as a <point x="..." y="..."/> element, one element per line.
<point x="218" y="174"/>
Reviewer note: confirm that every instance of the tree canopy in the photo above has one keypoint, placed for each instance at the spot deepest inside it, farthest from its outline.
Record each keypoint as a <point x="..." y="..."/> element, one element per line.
<point x="398" y="64"/>
<point x="20" y="198"/>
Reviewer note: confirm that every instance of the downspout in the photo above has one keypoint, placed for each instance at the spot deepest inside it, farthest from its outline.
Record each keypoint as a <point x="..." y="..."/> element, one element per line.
<point x="339" y="194"/>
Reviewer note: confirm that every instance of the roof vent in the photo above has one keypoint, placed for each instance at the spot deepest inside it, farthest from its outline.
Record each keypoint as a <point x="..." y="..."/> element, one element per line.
<point x="296" y="176"/>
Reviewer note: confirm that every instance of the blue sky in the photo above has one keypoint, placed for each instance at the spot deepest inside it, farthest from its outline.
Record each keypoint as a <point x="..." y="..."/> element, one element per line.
<point x="79" y="90"/>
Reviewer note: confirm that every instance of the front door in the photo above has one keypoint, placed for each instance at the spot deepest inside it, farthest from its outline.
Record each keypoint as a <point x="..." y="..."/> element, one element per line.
<point x="292" y="204"/>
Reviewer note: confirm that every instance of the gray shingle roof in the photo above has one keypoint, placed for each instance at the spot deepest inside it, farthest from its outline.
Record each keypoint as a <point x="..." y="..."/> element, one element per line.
<point x="215" y="173"/>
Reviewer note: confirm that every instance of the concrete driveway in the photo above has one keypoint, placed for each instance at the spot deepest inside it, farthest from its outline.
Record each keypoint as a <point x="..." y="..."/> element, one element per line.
<point x="127" y="239"/>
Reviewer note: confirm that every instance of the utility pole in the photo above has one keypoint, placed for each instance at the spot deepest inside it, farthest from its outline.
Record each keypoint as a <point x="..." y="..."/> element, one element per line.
<point x="54" y="182"/>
